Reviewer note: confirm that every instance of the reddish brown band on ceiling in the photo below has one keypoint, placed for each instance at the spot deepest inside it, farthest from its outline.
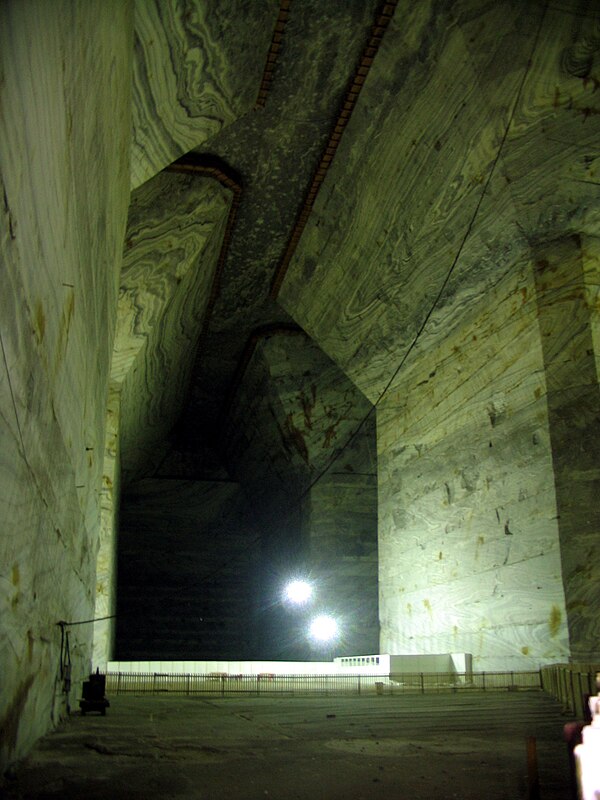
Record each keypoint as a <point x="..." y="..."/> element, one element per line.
<point x="273" y="54"/>
<point x="213" y="168"/>
<point x="262" y="332"/>
<point x="382" y="20"/>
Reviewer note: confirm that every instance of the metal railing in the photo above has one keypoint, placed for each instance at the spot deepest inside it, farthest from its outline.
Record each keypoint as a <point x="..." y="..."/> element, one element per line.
<point x="571" y="684"/>
<point x="222" y="684"/>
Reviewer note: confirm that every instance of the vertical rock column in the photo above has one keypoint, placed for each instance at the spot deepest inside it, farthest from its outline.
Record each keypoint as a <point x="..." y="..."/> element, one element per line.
<point x="567" y="279"/>
<point x="342" y="536"/>
<point x="106" y="565"/>
<point x="65" y="122"/>
<point x="469" y="553"/>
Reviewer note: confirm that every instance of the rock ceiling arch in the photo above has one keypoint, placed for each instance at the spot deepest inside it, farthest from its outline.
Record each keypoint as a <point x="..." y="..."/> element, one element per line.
<point x="294" y="95"/>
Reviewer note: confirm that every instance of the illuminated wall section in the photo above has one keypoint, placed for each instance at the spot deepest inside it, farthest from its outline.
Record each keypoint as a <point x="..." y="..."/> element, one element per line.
<point x="469" y="544"/>
<point x="65" y="130"/>
<point x="417" y="273"/>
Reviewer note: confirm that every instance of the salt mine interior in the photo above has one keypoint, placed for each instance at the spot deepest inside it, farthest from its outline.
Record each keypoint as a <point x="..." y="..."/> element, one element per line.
<point x="296" y="288"/>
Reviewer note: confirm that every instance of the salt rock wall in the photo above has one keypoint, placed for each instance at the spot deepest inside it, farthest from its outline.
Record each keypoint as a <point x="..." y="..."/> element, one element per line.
<point x="341" y="525"/>
<point x="187" y="561"/>
<point x="451" y="174"/>
<point x="312" y="486"/>
<point x="174" y="236"/>
<point x="442" y="176"/>
<point x="469" y="546"/>
<point x="197" y="66"/>
<point x="293" y="413"/>
<point x="172" y="243"/>
<point x="567" y="282"/>
<point x="64" y="168"/>
<point x="106" y="563"/>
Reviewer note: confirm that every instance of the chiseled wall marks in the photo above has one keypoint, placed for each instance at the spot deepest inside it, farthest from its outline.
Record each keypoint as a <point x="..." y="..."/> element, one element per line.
<point x="65" y="132"/>
<point x="469" y="545"/>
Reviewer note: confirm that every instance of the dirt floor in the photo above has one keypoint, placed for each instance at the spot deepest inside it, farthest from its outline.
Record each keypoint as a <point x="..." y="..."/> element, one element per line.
<point x="417" y="747"/>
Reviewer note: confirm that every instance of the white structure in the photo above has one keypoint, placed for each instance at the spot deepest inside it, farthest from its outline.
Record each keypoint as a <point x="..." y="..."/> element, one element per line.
<point x="587" y="755"/>
<point x="382" y="664"/>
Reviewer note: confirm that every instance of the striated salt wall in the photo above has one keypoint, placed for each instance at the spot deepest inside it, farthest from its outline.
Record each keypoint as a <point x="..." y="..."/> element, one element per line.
<point x="65" y="132"/>
<point x="419" y="274"/>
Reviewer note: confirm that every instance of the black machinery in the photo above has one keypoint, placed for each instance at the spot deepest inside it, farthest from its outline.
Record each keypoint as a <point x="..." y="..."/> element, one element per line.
<point x="94" y="698"/>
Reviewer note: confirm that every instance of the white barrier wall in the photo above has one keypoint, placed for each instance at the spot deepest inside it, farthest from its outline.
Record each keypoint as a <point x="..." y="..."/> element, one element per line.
<point x="376" y="664"/>
<point x="226" y="667"/>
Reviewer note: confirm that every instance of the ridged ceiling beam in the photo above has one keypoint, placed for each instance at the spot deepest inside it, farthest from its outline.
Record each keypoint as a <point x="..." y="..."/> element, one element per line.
<point x="273" y="54"/>
<point x="382" y="20"/>
<point x="210" y="167"/>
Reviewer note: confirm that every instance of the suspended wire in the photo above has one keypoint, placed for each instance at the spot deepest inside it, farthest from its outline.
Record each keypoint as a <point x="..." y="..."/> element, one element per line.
<point x="335" y="457"/>
<point x="65" y="624"/>
<point x="448" y="275"/>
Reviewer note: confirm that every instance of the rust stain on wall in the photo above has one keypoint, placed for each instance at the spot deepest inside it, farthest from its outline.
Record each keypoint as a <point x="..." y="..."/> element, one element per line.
<point x="30" y="641"/>
<point x="330" y="434"/>
<point x="296" y="437"/>
<point x="67" y="315"/>
<point x="40" y="322"/>
<point x="308" y="404"/>
<point x="9" y="725"/>
<point x="555" y="620"/>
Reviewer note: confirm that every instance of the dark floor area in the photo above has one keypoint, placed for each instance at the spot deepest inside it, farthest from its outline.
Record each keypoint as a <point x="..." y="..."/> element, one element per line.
<point x="417" y="747"/>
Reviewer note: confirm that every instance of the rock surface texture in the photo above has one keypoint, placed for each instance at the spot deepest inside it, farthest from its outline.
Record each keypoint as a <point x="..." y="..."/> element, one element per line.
<point x="295" y="288"/>
<point x="64" y="127"/>
<point x="196" y="69"/>
<point x="467" y="167"/>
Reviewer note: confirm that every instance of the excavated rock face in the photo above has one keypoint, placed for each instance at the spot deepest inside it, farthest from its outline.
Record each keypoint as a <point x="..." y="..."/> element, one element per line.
<point x="349" y="326"/>
<point x="216" y="383"/>
<point x="413" y="219"/>
<point x="64" y="173"/>
<point x="454" y="249"/>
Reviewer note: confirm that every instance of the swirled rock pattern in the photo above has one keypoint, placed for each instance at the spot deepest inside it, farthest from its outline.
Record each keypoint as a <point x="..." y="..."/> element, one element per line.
<point x="197" y="68"/>
<point x="407" y="186"/>
<point x="472" y="140"/>
<point x="443" y="298"/>
<point x="173" y="240"/>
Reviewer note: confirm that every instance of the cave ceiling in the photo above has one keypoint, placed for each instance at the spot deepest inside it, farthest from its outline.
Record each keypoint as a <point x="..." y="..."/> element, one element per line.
<point x="448" y="136"/>
<point x="302" y="58"/>
<point x="275" y="150"/>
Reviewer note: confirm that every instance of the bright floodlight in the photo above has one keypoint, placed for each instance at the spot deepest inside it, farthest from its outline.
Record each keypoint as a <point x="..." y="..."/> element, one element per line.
<point x="298" y="591"/>
<point x="323" y="628"/>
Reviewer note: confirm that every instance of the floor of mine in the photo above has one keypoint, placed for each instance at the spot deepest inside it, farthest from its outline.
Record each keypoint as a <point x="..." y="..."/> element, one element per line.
<point x="467" y="746"/>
